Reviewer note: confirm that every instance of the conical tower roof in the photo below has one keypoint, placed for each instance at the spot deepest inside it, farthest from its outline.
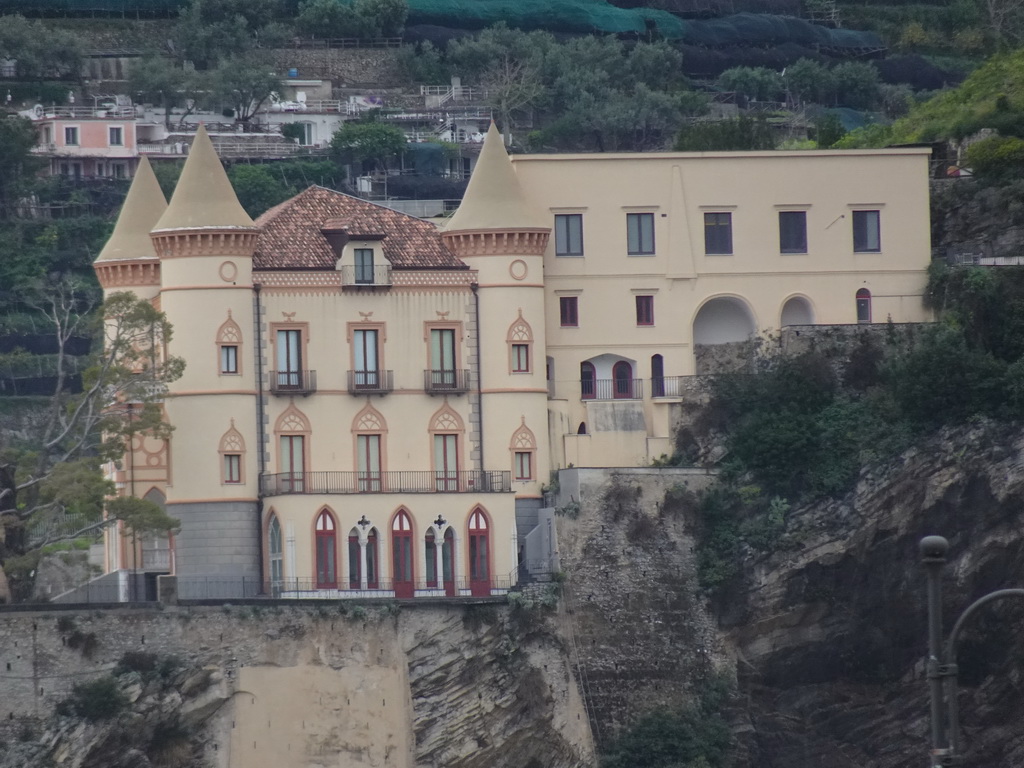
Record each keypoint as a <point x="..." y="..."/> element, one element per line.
<point x="142" y="208"/>
<point x="204" y="196"/>
<point x="494" y="199"/>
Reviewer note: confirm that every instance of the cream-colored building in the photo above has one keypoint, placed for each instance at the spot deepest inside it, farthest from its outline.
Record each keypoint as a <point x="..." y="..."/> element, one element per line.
<point x="371" y="405"/>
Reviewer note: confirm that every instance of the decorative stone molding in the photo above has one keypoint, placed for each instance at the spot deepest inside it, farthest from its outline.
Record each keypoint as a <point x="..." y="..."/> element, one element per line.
<point x="122" y="274"/>
<point x="514" y="242"/>
<point x="183" y="243"/>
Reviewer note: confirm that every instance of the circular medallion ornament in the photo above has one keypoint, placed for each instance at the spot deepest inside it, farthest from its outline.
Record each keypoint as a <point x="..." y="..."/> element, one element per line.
<point x="228" y="271"/>
<point x="518" y="269"/>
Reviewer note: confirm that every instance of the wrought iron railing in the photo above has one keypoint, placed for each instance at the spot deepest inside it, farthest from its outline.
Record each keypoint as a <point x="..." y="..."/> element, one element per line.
<point x="446" y="381"/>
<point x="292" y="382"/>
<point x="612" y="389"/>
<point x="465" y="481"/>
<point x="360" y="275"/>
<point x="370" y="382"/>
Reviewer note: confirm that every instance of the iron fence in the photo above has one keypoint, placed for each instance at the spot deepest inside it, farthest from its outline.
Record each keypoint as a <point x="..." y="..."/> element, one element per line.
<point x="370" y="382"/>
<point x="612" y="389"/>
<point x="463" y="481"/>
<point x="292" y="382"/>
<point x="446" y="381"/>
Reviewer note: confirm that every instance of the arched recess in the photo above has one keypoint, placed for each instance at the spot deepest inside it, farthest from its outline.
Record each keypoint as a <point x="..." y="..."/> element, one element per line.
<point x="622" y="380"/>
<point x="402" y="570"/>
<point x="722" y="320"/>
<point x="293" y="431"/>
<point x="326" y="546"/>
<point x="446" y="431"/>
<point x="797" y="311"/>
<point x="657" y="376"/>
<point x="588" y="381"/>
<point x="523" y="448"/>
<point x="479" y="553"/>
<point x="863" y="306"/>
<point x="369" y="436"/>
<point x="229" y="347"/>
<point x="520" y="345"/>
<point x="275" y="555"/>
<point x="232" y="456"/>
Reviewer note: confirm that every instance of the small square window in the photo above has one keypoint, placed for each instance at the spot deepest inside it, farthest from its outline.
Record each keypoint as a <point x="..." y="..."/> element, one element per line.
<point x="718" y="234"/>
<point x="116" y="136"/>
<point x="645" y="310"/>
<point x="640" y="234"/>
<point x="793" y="231"/>
<point x="569" y="234"/>
<point x="866" y="232"/>
<point x="364" y="266"/>
<point x="524" y="465"/>
<point x="71" y="136"/>
<point x="520" y="358"/>
<point x="568" y="311"/>
<point x="229" y="358"/>
<point x="232" y="468"/>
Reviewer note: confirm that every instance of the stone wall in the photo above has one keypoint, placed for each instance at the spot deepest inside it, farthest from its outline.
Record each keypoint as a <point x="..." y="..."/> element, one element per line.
<point x="372" y="68"/>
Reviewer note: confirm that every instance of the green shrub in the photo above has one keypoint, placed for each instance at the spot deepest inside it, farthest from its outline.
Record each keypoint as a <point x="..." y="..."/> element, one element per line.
<point x="100" y="699"/>
<point x="996" y="156"/>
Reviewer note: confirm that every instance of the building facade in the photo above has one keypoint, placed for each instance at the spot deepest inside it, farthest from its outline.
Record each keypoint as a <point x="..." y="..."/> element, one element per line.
<point x="371" y="405"/>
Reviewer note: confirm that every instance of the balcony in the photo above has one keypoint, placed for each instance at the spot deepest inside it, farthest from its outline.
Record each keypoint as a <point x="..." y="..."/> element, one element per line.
<point x="612" y="389"/>
<point x="362" y="276"/>
<point x="469" y="481"/>
<point x="370" y="382"/>
<point x="292" y="382"/>
<point x="446" y="382"/>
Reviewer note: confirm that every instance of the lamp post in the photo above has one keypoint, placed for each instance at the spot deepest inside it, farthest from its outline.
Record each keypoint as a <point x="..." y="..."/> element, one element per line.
<point x="942" y="668"/>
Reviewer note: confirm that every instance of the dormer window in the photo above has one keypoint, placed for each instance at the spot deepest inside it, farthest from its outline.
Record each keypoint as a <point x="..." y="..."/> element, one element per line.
<point x="364" y="266"/>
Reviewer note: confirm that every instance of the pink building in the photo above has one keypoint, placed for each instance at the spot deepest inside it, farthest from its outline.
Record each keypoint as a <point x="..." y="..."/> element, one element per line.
<point x="88" y="142"/>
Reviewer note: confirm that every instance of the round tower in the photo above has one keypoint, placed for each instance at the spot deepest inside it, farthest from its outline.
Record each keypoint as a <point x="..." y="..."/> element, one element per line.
<point x="205" y="241"/>
<point x="501" y="235"/>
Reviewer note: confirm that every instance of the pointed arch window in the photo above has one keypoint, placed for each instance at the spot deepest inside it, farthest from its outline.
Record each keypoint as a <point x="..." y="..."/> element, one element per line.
<point x="326" y="552"/>
<point x="446" y="429"/>
<point x="276" y="559"/>
<point x="523" y="448"/>
<point x="479" y="553"/>
<point x="369" y="428"/>
<point x="401" y="554"/>
<point x="232" y="452"/>
<point x="362" y="560"/>
<point x="229" y="347"/>
<point x="292" y="429"/>
<point x="520" y="346"/>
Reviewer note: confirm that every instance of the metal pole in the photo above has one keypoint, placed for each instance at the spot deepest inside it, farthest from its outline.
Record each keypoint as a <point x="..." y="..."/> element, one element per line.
<point x="933" y="556"/>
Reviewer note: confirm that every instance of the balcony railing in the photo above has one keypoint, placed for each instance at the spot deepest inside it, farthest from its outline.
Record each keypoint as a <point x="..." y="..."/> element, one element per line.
<point x="612" y="389"/>
<point x="678" y="386"/>
<point x="354" y="275"/>
<point x="292" y="382"/>
<point x="446" y="382"/>
<point x="370" y="382"/>
<point x="467" y="481"/>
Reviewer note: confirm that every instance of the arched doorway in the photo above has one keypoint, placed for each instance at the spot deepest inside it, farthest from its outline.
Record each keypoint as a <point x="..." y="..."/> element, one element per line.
<point x="355" y="560"/>
<point x="326" y="552"/>
<point x="657" y="376"/>
<point x="372" y="575"/>
<point x="448" y="562"/>
<point x="863" y="306"/>
<point x="479" y="554"/>
<point x="797" y="311"/>
<point x="588" y="381"/>
<point x="622" y="374"/>
<point x="401" y="554"/>
<point x="276" y="558"/>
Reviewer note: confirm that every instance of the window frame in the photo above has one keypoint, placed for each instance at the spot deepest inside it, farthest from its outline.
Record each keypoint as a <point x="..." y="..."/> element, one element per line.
<point x="642" y="248"/>
<point x="522" y="460"/>
<point x="232" y="468"/>
<point x="359" y="256"/>
<point x="865" y="215"/>
<point x="800" y="247"/>
<point x="569" y="311"/>
<point x="120" y="135"/>
<point x="566" y="239"/>
<point x="77" y="134"/>
<point x="521" y="358"/>
<point x="229" y="360"/>
<point x="644" y="309"/>
<point x="715" y="224"/>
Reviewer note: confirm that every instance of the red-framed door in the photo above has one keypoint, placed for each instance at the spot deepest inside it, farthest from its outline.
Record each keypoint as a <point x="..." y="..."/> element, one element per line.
<point x="479" y="554"/>
<point x="401" y="554"/>
<point x="622" y="375"/>
<point x="326" y="552"/>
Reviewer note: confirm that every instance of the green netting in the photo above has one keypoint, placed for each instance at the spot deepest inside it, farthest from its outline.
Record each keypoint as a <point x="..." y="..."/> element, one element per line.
<point x="759" y="29"/>
<point x="114" y="7"/>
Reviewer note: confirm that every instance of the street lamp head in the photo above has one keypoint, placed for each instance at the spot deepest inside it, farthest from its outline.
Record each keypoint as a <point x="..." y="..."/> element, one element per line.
<point x="933" y="549"/>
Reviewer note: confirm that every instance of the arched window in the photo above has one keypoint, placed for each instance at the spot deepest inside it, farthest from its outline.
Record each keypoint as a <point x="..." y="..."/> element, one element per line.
<point x="370" y="430"/>
<point x="520" y="346"/>
<point x="355" y="560"/>
<point x="479" y="554"/>
<point x="446" y="428"/>
<point x="232" y="451"/>
<point x="430" y="552"/>
<point x="622" y="373"/>
<point x="523" y="448"/>
<point x="448" y="562"/>
<point x="582" y="428"/>
<point x="292" y="428"/>
<point x="276" y="559"/>
<point x="372" y="560"/>
<point x="229" y="347"/>
<point x="588" y="381"/>
<point x="362" y="560"/>
<point x="401" y="554"/>
<point x="326" y="552"/>
<point x="657" y="376"/>
<point x="863" y="306"/>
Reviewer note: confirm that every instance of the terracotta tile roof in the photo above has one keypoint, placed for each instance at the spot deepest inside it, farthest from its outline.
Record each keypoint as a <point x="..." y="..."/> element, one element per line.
<point x="291" y="237"/>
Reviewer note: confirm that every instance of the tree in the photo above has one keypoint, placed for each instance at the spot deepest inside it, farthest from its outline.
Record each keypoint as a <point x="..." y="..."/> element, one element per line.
<point x="121" y="393"/>
<point x="17" y="137"/>
<point x="511" y="85"/>
<point x="744" y="133"/>
<point x="39" y="51"/>
<point x="361" y="141"/>
<point x="258" y="188"/>
<point x="244" y="82"/>
<point x="758" y="83"/>
<point x="361" y="18"/>
<point x="164" y="81"/>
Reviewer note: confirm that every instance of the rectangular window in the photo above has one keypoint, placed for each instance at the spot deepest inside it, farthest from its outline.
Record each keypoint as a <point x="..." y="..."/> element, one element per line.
<point x="232" y="468"/>
<point x="119" y="170"/>
<point x="293" y="463"/>
<point x="640" y="234"/>
<point x="116" y="136"/>
<point x="569" y="234"/>
<point x="866" y="232"/>
<point x="520" y="358"/>
<point x="793" y="231"/>
<point x="367" y="366"/>
<point x="442" y="357"/>
<point x="524" y="465"/>
<point x="567" y="308"/>
<point x="645" y="310"/>
<point x="446" y="463"/>
<point x="368" y="461"/>
<point x="364" y="266"/>
<point x="718" y="233"/>
<point x="71" y="136"/>
<point x="289" y="358"/>
<point x="228" y="358"/>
